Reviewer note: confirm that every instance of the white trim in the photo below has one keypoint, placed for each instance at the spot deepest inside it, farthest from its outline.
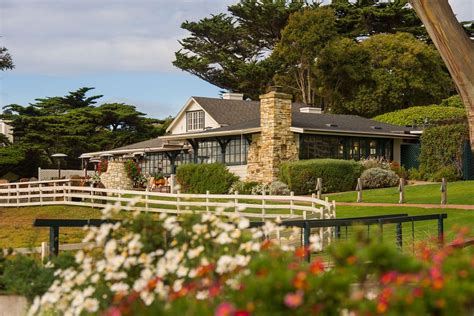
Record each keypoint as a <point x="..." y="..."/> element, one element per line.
<point x="211" y="134"/>
<point x="350" y="133"/>
<point x="183" y="112"/>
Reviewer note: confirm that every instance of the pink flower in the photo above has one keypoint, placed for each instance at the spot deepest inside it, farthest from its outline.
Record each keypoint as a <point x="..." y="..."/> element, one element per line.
<point x="293" y="300"/>
<point x="114" y="311"/>
<point x="225" y="309"/>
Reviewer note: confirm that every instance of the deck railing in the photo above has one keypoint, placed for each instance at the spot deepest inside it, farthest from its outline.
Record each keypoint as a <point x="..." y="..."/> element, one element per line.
<point x="67" y="192"/>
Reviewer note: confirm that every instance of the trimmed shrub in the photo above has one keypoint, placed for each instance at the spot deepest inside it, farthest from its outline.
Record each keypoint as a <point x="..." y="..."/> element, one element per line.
<point x="378" y="178"/>
<point x="243" y="187"/>
<point x="453" y="101"/>
<point x="337" y="175"/>
<point x="416" y="174"/>
<point x="199" y="178"/>
<point x="416" y="115"/>
<point x="442" y="146"/>
<point x="278" y="188"/>
<point x="449" y="173"/>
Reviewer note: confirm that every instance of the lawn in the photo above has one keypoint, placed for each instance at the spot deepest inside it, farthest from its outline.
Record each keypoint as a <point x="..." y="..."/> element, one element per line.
<point x="423" y="230"/>
<point x="16" y="224"/>
<point x="461" y="192"/>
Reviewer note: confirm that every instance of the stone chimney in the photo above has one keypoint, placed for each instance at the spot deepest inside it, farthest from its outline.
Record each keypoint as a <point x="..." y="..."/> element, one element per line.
<point x="276" y="142"/>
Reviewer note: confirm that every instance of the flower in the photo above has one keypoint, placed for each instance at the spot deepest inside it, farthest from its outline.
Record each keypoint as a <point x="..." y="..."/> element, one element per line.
<point x="293" y="300"/>
<point x="225" y="309"/>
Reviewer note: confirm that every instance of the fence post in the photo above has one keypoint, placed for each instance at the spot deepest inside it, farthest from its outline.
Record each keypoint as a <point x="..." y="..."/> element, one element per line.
<point x="39" y="173"/>
<point x="92" y="195"/>
<point x="319" y="187"/>
<point x="399" y="235"/>
<point x="306" y="246"/>
<point x="207" y="200"/>
<point x="17" y="195"/>
<point x="69" y="198"/>
<point x="236" y="201"/>
<point x="40" y="185"/>
<point x="53" y="241"/>
<point x="440" y="230"/>
<point x="444" y="191"/>
<point x="178" y="200"/>
<point x="359" y="190"/>
<point x="292" y="194"/>
<point x="44" y="251"/>
<point x="172" y="182"/>
<point x="263" y="205"/>
<point x="29" y="193"/>
<point x="401" y="189"/>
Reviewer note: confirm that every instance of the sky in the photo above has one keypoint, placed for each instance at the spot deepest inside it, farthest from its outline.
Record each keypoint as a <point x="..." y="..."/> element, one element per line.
<point x="123" y="48"/>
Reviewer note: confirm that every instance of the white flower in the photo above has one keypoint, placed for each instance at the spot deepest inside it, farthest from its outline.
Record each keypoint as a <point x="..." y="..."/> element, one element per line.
<point x="91" y="305"/>
<point x="193" y="253"/>
<point x="147" y="297"/>
<point x="223" y="239"/>
<point x="315" y="243"/>
<point x="119" y="287"/>
<point x="202" y="295"/>
<point x="243" y="223"/>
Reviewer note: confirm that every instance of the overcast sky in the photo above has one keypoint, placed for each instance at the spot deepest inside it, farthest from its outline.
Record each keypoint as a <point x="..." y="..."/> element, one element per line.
<point x="123" y="48"/>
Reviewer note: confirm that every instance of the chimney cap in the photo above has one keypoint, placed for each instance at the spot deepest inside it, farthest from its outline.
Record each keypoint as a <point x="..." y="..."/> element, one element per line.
<point x="275" y="89"/>
<point x="232" y="96"/>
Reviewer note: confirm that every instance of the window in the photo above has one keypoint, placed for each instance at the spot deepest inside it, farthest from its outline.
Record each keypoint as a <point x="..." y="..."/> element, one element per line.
<point x="194" y="120"/>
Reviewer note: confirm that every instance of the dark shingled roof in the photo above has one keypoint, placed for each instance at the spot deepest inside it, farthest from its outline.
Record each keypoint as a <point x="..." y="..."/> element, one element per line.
<point x="239" y="114"/>
<point x="151" y="143"/>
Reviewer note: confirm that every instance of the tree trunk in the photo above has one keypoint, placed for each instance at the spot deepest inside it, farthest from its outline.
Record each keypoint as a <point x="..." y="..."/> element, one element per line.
<point x="455" y="47"/>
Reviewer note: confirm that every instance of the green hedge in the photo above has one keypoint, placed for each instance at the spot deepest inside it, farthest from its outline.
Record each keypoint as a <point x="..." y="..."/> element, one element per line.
<point x="441" y="150"/>
<point x="337" y="175"/>
<point x="199" y="178"/>
<point x="417" y="114"/>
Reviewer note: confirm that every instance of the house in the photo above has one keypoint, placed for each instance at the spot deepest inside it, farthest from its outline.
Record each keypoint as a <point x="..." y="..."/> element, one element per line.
<point x="253" y="138"/>
<point x="6" y="130"/>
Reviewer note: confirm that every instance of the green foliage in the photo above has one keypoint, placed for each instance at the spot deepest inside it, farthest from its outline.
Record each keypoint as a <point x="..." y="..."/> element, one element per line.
<point x="416" y="174"/>
<point x="306" y="34"/>
<point x="243" y="187"/>
<point x="453" y="101"/>
<point x="450" y="173"/>
<point x="25" y="275"/>
<point x="6" y="61"/>
<point x="72" y="124"/>
<point x="417" y="115"/>
<point x="134" y="172"/>
<point x="199" y="178"/>
<point x="389" y="72"/>
<point x="441" y="147"/>
<point x="378" y="178"/>
<point x="337" y="175"/>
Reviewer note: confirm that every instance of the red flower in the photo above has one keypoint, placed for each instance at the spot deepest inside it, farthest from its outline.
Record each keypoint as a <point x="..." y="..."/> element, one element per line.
<point x="242" y="312"/>
<point x="316" y="267"/>
<point x="293" y="300"/>
<point x="301" y="252"/>
<point x="299" y="280"/>
<point x="225" y="309"/>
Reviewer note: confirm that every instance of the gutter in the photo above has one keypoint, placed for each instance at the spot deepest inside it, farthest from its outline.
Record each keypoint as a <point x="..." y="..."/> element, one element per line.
<point x="410" y="134"/>
<point x="211" y="134"/>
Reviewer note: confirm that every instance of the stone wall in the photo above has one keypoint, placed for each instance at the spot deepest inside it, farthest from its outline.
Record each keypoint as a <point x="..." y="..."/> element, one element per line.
<point x="276" y="142"/>
<point x="116" y="176"/>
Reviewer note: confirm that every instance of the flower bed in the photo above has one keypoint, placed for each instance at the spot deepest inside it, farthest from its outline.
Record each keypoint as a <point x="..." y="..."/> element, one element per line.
<point x="206" y="265"/>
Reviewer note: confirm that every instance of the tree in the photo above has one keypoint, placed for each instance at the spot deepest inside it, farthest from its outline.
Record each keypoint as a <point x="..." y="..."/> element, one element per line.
<point x="72" y="124"/>
<point x="231" y="50"/>
<point x="455" y="47"/>
<point x="305" y="35"/>
<point x="6" y="61"/>
<point x="384" y="73"/>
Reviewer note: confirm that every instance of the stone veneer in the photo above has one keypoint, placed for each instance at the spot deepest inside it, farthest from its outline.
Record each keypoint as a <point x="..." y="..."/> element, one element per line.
<point x="116" y="176"/>
<point x="276" y="142"/>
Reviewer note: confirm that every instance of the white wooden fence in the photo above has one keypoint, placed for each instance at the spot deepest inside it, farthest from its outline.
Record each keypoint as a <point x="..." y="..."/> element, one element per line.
<point x="62" y="192"/>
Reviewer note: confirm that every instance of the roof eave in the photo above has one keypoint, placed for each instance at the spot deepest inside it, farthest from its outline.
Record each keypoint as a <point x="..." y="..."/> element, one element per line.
<point x="211" y="134"/>
<point x="355" y="133"/>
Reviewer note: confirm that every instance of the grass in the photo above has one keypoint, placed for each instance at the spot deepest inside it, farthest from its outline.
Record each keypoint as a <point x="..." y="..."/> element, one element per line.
<point x="461" y="192"/>
<point x="16" y="225"/>
<point x="423" y="230"/>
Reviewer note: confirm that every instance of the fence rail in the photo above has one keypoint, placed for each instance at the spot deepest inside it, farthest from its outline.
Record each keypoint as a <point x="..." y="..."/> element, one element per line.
<point x="67" y="192"/>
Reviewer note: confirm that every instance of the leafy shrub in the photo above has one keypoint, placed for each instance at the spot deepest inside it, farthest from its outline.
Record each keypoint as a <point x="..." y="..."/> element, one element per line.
<point x="416" y="115"/>
<point x="199" y="178"/>
<point x="337" y="175"/>
<point x="278" y="188"/>
<point x="134" y="172"/>
<point x="243" y="187"/>
<point x="453" y="101"/>
<point x="378" y="178"/>
<point x="416" y="174"/>
<point x="449" y="173"/>
<point x="442" y="146"/>
<point x="399" y="170"/>
<point x="374" y="163"/>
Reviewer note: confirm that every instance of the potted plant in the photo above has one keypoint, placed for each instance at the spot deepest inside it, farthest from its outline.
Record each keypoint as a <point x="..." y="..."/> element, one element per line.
<point x="159" y="178"/>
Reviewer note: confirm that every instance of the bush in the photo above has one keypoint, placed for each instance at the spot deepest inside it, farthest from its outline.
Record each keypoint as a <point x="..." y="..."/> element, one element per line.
<point x="243" y="187"/>
<point x="453" y="101"/>
<point x="449" y="173"/>
<point x="416" y="174"/>
<point x="442" y="146"/>
<point x="337" y="175"/>
<point x="278" y="188"/>
<point x="378" y="178"/>
<point x="399" y="170"/>
<point x="374" y="163"/>
<point x="416" y="115"/>
<point x="199" y="178"/>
